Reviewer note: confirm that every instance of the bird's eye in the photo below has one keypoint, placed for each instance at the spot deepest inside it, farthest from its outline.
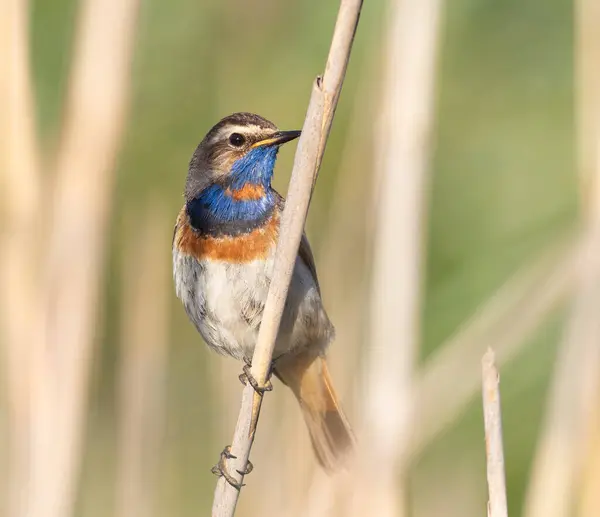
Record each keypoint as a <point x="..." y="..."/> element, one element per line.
<point x="236" y="140"/>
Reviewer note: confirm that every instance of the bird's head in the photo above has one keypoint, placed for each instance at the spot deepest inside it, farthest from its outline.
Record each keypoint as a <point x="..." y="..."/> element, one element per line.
<point x="239" y="150"/>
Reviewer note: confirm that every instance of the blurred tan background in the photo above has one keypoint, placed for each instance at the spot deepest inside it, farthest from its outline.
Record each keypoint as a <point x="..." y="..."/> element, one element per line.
<point x="155" y="407"/>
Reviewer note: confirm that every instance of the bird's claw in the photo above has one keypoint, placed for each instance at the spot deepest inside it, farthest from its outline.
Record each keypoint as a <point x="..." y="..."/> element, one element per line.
<point x="220" y="469"/>
<point x="247" y="378"/>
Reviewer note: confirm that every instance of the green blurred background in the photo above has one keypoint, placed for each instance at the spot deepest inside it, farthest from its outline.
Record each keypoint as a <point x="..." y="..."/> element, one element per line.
<point x="503" y="185"/>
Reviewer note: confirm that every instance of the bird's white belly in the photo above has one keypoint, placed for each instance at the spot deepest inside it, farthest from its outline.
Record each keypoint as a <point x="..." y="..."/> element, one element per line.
<point x="234" y="296"/>
<point x="225" y="301"/>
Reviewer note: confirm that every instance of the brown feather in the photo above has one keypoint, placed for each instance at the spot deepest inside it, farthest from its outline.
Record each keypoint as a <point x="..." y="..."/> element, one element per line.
<point x="249" y="192"/>
<point x="308" y="377"/>
<point x="238" y="249"/>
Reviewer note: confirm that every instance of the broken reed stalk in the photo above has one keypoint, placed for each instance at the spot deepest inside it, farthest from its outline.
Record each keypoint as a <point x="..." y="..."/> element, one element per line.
<point x="492" y="415"/>
<point x="311" y="146"/>
<point x="448" y="380"/>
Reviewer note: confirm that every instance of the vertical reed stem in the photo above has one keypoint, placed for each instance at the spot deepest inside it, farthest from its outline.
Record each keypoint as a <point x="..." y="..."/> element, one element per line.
<point x="402" y="145"/>
<point x="321" y="109"/>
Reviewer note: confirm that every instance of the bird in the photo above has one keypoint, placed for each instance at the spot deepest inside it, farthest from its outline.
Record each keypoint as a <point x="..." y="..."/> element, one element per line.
<point x="224" y="244"/>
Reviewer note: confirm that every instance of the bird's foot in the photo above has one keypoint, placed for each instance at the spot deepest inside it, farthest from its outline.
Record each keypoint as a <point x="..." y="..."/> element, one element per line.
<point x="220" y="469"/>
<point x="247" y="378"/>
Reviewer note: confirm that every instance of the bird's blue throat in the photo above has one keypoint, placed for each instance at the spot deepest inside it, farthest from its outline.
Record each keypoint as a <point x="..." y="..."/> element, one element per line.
<point x="242" y="202"/>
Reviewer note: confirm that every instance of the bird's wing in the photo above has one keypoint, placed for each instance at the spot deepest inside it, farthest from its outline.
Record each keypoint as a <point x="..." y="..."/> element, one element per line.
<point x="305" y="254"/>
<point x="304" y="251"/>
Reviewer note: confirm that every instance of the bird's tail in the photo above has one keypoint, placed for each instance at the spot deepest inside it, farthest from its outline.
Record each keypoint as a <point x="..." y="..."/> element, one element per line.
<point x="331" y="436"/>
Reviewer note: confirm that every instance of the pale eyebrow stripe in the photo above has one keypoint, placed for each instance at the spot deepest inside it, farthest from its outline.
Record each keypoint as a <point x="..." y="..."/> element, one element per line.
<point x="251" y="129"/>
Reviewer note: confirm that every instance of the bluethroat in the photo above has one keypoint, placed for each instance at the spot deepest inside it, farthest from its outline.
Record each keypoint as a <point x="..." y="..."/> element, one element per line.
<point x="223" y="250"/>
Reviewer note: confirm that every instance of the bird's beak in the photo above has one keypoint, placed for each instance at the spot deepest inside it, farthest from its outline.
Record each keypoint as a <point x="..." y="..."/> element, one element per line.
<point x="278" y="138"/>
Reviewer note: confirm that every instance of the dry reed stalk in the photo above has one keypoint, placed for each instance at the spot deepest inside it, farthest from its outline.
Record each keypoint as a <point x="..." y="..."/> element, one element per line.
<point x="449" y="379"/>
<point x="20" y="184"/>
<point x="561" y="448"/>
<point x="311" y="146"/>
<point x="589" y="504"/>
<point x="278" y="422"/>
<point x="74" y="254"/>
<point x="143" y="364"/>
<point x="572" y="404"/>
<point x="587" y="17"/>
<point x="588" y="114"/>
<point x="492" y="415"/>
<point x="402" y="152"/>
